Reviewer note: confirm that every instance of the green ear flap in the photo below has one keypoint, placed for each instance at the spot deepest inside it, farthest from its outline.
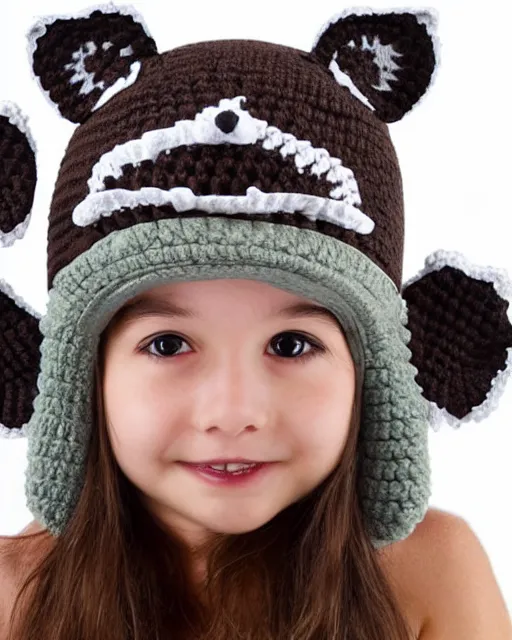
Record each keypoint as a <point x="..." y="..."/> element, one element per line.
<point x="82" y="61"/>
<point x="387" y="59"/>
<point x="461" y="336"/>
<point x="20" y="337"/>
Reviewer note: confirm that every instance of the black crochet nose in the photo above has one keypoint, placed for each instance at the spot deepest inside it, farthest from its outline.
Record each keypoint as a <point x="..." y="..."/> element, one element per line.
<point x="227" y="121"/>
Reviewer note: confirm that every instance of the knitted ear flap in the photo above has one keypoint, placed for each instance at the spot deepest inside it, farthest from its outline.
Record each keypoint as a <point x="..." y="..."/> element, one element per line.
<point x="387" y="59"/>
<point x="82" y="61"/>
<point x="20" y="337"/>
<point x="461" y="336"/>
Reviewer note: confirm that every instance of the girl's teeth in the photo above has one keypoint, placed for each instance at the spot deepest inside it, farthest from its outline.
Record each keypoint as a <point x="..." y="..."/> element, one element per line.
<point x="231" y="467"/>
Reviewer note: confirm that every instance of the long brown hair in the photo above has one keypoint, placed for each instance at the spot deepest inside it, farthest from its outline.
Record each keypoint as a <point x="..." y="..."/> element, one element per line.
<point x="115" y="572"/>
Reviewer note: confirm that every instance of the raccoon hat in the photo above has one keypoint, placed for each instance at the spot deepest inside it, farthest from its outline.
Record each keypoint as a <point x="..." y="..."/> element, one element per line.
<point x="241" y="159"/>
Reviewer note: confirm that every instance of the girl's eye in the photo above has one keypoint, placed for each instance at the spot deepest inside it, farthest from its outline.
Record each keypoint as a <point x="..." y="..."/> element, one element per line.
<point x="287" y="345"/>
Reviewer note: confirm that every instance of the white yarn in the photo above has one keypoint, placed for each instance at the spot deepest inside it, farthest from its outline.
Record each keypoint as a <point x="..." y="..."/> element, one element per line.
<point x="16" y="117"/>
<point x="442" y="258"/>
<point x="12" y="434"/>
<point x="503" y="286"/>
<point x="79" y="56"/>
<point x="248" y="130"/>
<point x="8" y="238"/>
<point x="383" y="58"/>
<point x="119" y="85"/>
<point x="39" y="28"/>
<point x="5" y="432"/>
<point x="346" y="81"/>
<point x="126" y="52"/>
<point x="20" y="120"/>
<point x="438" y="416"/>
<point x="424" y="15"/>
<point x="104" y="203"/>
<point x="6" y="288"/>
<point x="427" y="16"/>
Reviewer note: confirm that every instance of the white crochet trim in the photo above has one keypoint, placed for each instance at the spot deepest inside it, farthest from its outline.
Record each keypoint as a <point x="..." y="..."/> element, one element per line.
<point x="441" y="258"/>
<point x="78" y="66"/>
<point x="9" y="238"/>
<point x="346" y="81"/>
<point x="6" y="288"/>
<point x="503" y="286"/>
<point x="13" y="434"/>
<point x="255" y="201"/>
<point x="424" y="15"/>
<point x="119" y="85"/>
<point x="87" y="78"/>
<point x="39" y="28"/>
<point x="248" y="131"/>
<point x="383" y="58"/>
<point x="6" y="432"/>
<point x="439" y="416"/>
<point x="16" y="117"/>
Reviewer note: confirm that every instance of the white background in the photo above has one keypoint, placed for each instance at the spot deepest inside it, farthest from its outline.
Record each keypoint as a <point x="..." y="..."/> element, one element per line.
<point x="454" y="151"/>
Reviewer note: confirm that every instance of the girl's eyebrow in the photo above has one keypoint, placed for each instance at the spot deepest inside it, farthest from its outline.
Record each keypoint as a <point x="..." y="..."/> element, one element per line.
<point x="161" y="307"/>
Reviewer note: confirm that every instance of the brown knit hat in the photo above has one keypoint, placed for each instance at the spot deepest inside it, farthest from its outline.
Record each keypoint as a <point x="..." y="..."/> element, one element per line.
<point x="242" y="159"/>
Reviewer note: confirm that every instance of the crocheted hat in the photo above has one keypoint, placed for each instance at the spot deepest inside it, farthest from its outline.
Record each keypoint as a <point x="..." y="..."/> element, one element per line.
<point x="242" y="159"/>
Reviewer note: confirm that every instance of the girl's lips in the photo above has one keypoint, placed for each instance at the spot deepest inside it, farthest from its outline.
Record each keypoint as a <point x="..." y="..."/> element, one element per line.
<point x="225" y="461"/>
<point x="218" y="477"/>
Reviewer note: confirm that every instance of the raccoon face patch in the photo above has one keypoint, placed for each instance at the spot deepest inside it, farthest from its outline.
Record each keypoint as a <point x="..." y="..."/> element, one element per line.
<point x="227" y="123"/>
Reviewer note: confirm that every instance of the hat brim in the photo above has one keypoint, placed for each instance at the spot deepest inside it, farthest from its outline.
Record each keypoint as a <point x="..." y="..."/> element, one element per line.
<point x="394" y="486"/>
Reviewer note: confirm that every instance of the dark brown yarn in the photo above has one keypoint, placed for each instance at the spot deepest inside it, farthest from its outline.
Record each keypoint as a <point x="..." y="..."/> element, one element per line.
<point x="460" y="336"/>
<point x="416" y="62"/>
<point x="221" y="169"/>
<point x="282" y="87"/>
<point x="19" y="362"/>
<point x="55" y="50"/>
<point x="17" y="176"/>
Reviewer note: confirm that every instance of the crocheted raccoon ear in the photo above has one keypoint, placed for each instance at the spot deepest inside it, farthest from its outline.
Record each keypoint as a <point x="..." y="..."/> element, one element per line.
<point x="18" y="173"/>
<point x="81" y="61"/>
<point x="20" y="337"/>
<point x="461" y="336"/>
<point x="387" y="59"/>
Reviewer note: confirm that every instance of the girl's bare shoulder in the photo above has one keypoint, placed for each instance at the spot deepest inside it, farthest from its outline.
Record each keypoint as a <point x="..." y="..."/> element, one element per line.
<point x="443" y="577"/>
<point x="440" y="574"/>
<point x="17" y="559"/>
<point x="9" y="549"/>
<point x="403" y="564"/>
<point x="16" y="562"/>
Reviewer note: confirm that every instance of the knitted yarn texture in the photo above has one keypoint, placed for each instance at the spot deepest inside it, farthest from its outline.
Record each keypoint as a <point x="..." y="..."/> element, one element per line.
<point x="242" y="159"/>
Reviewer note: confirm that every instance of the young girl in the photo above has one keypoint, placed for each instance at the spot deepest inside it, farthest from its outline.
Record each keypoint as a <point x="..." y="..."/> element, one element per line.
<point x="227" y="402"/>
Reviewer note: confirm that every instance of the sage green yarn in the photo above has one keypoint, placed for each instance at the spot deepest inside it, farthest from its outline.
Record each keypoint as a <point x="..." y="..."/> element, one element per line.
<point x="394" y="486"/>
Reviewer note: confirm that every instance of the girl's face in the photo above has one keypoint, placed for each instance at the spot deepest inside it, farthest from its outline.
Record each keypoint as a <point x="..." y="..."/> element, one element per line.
<point x="236" y="376"/>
